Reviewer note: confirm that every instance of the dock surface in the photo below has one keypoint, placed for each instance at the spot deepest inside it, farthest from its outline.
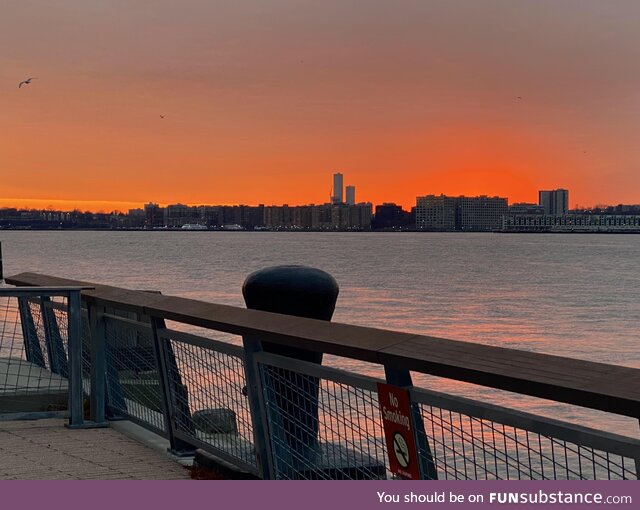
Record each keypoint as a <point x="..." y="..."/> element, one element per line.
<point x="47" y="450"/>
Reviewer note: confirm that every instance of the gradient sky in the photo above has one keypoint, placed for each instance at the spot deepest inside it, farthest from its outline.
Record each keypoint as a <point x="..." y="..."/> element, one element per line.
<point x="264" y="100"/>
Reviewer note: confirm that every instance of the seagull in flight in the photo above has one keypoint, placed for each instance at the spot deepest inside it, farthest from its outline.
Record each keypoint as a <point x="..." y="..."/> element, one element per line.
<point x="162" y="116"/>
<point x="26" y="82"/>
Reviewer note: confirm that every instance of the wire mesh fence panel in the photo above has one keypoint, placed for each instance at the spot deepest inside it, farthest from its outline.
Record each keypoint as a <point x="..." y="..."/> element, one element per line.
<point x="85" y="338"/>
<point x="322" y="423"/>
<point x="56" y="326"/>
<point x="32" y="355"/>
<point x="209" y="396"/>
<point x="11" y="342"/>
<point x="134" y="387"/>
<point x="478" y="446"/>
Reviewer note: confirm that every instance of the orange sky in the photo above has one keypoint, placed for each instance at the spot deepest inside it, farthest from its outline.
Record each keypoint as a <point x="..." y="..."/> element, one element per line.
<point x="263" y="101"/>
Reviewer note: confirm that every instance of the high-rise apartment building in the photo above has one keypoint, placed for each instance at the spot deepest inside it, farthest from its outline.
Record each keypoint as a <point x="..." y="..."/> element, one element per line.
<point x="555" y="201"/>
<point x="467" y="214"/>
<point x="336" y="197"/>
<point x="480" y="214"/>
<point x="351" y="195"/>
<point x="153" y="215"/>
<point x="435" y="213"/>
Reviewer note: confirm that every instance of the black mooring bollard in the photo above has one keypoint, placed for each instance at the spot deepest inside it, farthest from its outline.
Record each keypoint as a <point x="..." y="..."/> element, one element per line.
<point x="303" y="292"/>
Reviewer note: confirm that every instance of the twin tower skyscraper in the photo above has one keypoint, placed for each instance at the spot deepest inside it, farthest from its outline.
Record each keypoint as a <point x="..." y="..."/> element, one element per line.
<point x="336" y="195"/>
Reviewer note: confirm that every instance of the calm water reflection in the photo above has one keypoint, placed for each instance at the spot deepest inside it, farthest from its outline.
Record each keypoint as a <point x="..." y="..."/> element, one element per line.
<point x="570" y="295"/>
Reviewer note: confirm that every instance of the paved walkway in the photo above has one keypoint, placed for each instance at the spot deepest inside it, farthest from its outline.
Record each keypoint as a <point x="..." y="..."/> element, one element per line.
<point x="46" y="449"/>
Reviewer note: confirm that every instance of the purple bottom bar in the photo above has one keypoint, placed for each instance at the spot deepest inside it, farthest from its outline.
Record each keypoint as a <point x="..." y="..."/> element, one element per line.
<point x="315" y="495"/>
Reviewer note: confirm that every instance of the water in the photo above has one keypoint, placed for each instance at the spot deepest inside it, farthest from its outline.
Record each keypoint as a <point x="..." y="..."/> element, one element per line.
<point x="570" y="295"/>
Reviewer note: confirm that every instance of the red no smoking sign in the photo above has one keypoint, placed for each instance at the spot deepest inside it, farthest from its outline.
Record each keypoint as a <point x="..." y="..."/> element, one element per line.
<point x="395" y="408"/>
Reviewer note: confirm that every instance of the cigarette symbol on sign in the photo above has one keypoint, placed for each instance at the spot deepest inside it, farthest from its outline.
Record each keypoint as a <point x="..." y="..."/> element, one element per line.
<point x="401" y="450"/>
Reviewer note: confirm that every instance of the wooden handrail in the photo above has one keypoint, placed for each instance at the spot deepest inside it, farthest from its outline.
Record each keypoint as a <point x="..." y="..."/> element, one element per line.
<point x="610" y="388"/>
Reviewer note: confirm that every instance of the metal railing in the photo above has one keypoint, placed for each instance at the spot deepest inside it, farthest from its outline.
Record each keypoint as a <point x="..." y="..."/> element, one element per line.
<point x="41" y="353"/>
<point x="480" y="441"/>
<point x="152" y="359"/>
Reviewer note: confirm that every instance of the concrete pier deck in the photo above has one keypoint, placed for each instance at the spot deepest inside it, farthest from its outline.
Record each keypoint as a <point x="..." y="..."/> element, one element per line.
<point x="46" y="450"/>
<point x="26" y="387"/>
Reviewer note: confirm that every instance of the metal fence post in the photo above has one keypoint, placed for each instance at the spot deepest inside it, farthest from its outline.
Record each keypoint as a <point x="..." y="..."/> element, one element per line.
<point x="258" y="409"/>
<point x="638" y="464"/>
<point x="114" y="394"/>
<point x="174" y="393"/>
<point x="74" y="332"/>
<point x="98" y="364"/>
<point x="33" y="351"/>
<point x="55" y="348"/>
<point x="402" y="378"/>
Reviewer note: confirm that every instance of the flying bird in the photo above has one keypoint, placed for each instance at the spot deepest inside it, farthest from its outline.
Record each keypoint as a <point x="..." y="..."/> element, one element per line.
<point x="519" y="97"/>
<point x="162" y="116"/>
<point x="25" y="82"/>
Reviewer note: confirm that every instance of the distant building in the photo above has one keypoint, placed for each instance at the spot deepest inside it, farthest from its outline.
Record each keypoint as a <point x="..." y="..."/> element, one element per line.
<point x="361" y="216"/>
<point x="525" y="208"/>
<point x="211" y="215"/>
<point x="436" y="213"/>
<point x="565" y="223"/>
<point x="389" y="217"/>
<point x="153" y="215"/>
<point x="176" y="215"/>
<point x="278" y="217"/>
<point x="480" y="214"/>
<point x="321" y="217"/>
<point x="620" y="209"/>
<point x="469" y="214"/>
<point x="302" y="217"/>
<point x="351" y="195"/>
<point x="336" y="197"/>
<point x="136" y="218"/>
<point x="555" y="201"/>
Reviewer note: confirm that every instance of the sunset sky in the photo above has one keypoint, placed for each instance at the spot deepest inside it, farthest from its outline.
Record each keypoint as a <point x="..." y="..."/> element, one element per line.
<point x="264" y="100"/>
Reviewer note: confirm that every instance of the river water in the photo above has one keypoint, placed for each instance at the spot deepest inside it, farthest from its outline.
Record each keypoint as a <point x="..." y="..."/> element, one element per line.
<point x="570" y="295"/>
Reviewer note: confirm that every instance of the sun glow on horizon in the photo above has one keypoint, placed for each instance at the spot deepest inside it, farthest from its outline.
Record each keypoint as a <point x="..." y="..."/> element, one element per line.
<point x="236" y="103"/>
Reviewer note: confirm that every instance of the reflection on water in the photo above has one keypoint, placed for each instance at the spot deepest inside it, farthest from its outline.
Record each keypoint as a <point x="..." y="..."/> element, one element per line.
<point x="569" y="295"/>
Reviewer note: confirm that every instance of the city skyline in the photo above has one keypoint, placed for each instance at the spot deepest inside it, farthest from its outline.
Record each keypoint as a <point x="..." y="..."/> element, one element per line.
<point x="248" y="103"/>
<point x="139" y="205"/>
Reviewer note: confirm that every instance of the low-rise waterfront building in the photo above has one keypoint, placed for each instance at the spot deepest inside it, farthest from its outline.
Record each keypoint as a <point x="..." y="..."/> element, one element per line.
<point x="571" y="223"/>
<point x="526" y="208"/>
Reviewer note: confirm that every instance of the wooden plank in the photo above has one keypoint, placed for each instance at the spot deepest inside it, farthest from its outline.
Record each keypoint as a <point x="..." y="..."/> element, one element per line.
<point x="595" y="385"/>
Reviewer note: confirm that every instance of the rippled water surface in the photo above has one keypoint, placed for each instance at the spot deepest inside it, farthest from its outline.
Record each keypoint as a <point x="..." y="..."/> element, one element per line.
<point x="570" y="295"/>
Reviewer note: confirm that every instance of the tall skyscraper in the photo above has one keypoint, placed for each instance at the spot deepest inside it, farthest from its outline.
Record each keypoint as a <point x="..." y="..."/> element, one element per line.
<point x="336" y="198"/>
<point x="555" y="201"/>
<point x="351" y="195"/>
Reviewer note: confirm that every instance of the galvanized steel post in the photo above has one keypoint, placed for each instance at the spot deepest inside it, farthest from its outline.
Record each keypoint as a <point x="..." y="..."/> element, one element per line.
<point x="55" y="348"/>
<point x="98" y="364"/>
<point x="177" y="416"/>
<point x="32" y="348"/>
<point x="74" y="329"/>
